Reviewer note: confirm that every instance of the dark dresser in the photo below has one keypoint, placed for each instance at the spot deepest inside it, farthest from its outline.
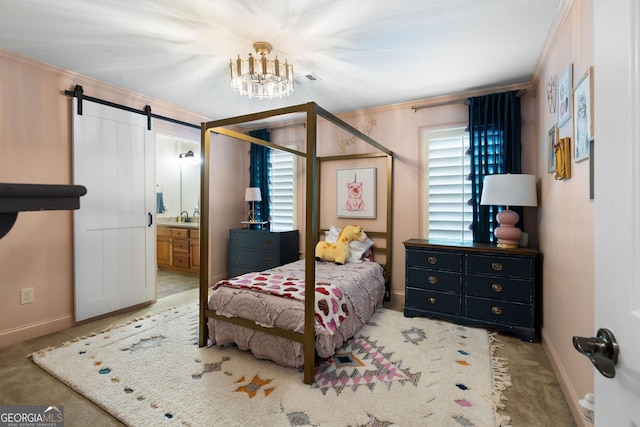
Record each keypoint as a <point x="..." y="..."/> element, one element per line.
<point x="258" y="250"/>
<point x="474" y="285"/>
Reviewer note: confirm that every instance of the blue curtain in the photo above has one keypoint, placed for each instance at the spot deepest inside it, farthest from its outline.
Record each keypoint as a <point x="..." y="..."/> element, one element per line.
<point x="495" y="147"/>
<point x="258" y="173"/>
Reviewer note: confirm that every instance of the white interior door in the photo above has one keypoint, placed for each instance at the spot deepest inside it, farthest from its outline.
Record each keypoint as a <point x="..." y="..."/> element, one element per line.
<point x="617" y="205"/>
<point x="114" y="250"/>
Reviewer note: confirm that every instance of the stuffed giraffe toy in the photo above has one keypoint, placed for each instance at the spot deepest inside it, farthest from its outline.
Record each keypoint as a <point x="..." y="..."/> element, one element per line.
<point x="338" y="252"/>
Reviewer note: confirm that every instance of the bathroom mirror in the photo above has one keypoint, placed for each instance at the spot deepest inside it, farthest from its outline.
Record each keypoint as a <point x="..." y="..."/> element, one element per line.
<point x="177" y="177"/>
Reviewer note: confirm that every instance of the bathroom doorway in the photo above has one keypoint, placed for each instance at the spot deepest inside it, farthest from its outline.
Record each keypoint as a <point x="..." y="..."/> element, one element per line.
<point x="177" y="213"/>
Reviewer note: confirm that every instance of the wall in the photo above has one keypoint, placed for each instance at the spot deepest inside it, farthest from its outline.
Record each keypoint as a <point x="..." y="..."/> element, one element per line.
<point x="35" y="147"/>
<point x="566" y="215"/>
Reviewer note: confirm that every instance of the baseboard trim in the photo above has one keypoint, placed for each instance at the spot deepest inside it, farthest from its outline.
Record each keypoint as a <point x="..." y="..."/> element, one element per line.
<point x="35" y="330"/>
<point x="563" y="379"/>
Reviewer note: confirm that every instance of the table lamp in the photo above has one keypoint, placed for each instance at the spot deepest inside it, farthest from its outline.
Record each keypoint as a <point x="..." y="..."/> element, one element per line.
<point x="509" y="190"/>
<point x="252" y="194"/>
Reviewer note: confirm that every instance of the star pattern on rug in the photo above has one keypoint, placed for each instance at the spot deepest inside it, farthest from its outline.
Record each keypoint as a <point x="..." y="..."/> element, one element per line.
<point x="254" y="386"/>
<point x="210" y="367"/>
<point x="414" y="335"/>
<point x="361" y="363"/>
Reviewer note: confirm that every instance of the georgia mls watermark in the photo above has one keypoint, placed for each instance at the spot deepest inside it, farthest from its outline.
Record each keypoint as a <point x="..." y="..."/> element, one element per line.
<point x="31" y="416"/>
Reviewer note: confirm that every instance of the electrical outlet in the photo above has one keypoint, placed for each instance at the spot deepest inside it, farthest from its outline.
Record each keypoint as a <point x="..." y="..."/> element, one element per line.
<point x="27" y="296"/>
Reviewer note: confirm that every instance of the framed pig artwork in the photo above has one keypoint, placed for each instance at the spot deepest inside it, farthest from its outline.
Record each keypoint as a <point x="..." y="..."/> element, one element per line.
<point x="356" y="193"/>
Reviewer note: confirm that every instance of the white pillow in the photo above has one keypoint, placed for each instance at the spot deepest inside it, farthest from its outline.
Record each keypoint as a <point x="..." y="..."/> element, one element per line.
<point x="356" y="249"/>
<point x="331" y="236"/>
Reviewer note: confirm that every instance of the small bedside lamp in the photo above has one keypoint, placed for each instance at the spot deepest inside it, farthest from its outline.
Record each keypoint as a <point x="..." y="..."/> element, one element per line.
<point x="509" y="190"/>
<point x="252" y="194"/>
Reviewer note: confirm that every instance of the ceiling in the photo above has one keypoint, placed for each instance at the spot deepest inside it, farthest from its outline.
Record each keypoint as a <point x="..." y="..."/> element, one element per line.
<point x="362" y="53"/>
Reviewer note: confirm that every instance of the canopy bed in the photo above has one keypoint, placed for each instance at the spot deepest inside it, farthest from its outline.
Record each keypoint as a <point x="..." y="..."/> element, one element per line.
<point x="313" y="270"/>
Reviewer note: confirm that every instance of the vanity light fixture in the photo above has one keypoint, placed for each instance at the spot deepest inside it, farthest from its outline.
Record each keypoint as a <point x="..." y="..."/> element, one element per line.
<point x="509" y="190"/>
<point x="190" y="157"/>
<point x="261" y="77"/>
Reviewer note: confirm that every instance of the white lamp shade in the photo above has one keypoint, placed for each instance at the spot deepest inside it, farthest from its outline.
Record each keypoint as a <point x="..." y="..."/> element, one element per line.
<point x="509" y="190"/>
<point x="252" y="194"/>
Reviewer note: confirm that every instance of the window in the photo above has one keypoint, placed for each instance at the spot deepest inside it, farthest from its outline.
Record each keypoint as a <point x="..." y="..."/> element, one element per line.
<point x="282" y="190"/>
<point x="448" y="214"/>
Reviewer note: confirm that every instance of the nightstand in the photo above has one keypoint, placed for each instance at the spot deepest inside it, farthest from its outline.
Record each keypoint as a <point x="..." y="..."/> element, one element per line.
<point x="258" y="250"/>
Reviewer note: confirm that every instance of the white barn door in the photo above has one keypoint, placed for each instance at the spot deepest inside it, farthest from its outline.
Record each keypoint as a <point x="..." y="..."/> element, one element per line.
<point x="114" y="239"/>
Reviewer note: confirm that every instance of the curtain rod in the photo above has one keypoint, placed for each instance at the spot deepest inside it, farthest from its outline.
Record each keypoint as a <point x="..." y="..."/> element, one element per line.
<point x="461" y="100"/>
<point x="78" y="92"/>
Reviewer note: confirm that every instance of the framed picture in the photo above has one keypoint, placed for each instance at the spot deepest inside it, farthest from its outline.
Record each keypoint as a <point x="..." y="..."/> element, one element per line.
<point x="565" y="83"/>
<point x="592" y="180"/>
<point x="356" y="193"/>
<point x="552" y="141"/>
<point x="583" y="116"/>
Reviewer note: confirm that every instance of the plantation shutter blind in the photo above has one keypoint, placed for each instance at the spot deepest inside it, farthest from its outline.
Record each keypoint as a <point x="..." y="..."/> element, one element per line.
<point x="282" y="200"/>
<point x="448" y="186"/>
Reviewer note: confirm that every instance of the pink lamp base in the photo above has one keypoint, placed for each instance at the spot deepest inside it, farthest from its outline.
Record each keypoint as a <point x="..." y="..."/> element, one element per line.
<point x="507" y="233"/>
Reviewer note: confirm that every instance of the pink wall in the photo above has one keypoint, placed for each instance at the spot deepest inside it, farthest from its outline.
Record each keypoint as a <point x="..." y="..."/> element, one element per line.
<point x="566" y="216"/>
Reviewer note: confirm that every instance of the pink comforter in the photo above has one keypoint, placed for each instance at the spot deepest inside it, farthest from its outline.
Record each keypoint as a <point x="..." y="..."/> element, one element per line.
<point x="362" y="286"/>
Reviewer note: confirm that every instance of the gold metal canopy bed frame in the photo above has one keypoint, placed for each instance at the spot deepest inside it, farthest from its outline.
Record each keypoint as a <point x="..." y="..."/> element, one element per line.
<point x="311" y="112"/>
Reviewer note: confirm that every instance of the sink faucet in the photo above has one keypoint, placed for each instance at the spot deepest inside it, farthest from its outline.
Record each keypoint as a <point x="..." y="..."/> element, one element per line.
<point x="186" y="219"/>
<point x="196" y="212"/>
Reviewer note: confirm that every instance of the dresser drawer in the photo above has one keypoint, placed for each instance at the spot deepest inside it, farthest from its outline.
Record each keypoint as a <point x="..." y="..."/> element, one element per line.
<point x="180" y="233"/>
<point x="255" y="240"/>
<point x="257" y="260"/>
<point x="450" y="261"/>
<point x="181" y="261"/>
<point x="499" y="265"/>
<point x="180" y="245"/>
<point x="443" y="281"/>
<point x="503" y="288"/>
<point x="433" y="301"/>
<point x="499" y="311"/>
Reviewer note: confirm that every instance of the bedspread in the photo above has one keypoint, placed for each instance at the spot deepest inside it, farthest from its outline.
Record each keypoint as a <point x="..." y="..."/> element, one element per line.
<point x="330" y="303"/>
<point x="362" y="285"/>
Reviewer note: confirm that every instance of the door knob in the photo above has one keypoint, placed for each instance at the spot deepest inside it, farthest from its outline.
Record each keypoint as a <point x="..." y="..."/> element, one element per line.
<point x="602" y="350"/>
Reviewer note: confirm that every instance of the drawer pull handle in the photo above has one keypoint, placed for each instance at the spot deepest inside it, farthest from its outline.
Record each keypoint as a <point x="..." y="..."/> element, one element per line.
<point x="496" y="266"/>
<point x="496" y="310"/>
<point x="432" y="260"/>
<point x="496" y="288"/>
<point x="432" y="280"/>
<point x="267" y="242"/>
<point x="267" y="260"/>
<point x="238" y="257"/>
<point x="432" y="300"/>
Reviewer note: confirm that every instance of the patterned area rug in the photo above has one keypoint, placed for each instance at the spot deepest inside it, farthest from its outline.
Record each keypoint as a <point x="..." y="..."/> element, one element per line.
<point x="396" y="371"/>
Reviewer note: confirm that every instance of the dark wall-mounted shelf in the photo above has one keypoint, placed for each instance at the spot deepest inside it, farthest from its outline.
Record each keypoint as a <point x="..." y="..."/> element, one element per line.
<point x="16" y="198"/>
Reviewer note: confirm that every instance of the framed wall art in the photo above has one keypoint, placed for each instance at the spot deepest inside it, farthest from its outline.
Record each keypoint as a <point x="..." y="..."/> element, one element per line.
<point x="564" y="85"/>
<point x="356" y="193"/>
<point x="583" y="116"/>
<point x="563" y="158"/>
<point x="552" y="141"/>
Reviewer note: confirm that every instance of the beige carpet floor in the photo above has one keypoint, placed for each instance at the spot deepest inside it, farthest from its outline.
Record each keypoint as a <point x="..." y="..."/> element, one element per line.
<point x="534" y="399"/>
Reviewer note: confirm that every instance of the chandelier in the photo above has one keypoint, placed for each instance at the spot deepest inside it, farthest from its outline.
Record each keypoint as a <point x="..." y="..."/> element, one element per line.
<point x="261" y="77"/>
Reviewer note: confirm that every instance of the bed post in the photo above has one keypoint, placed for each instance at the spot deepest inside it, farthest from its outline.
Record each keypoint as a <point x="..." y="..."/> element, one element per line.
<point x="311" y="228"/>
<point x="205" y="150"/>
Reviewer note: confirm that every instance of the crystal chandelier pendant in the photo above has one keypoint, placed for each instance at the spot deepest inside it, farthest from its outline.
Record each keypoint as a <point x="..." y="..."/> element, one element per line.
<point x="260" y="77"/>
